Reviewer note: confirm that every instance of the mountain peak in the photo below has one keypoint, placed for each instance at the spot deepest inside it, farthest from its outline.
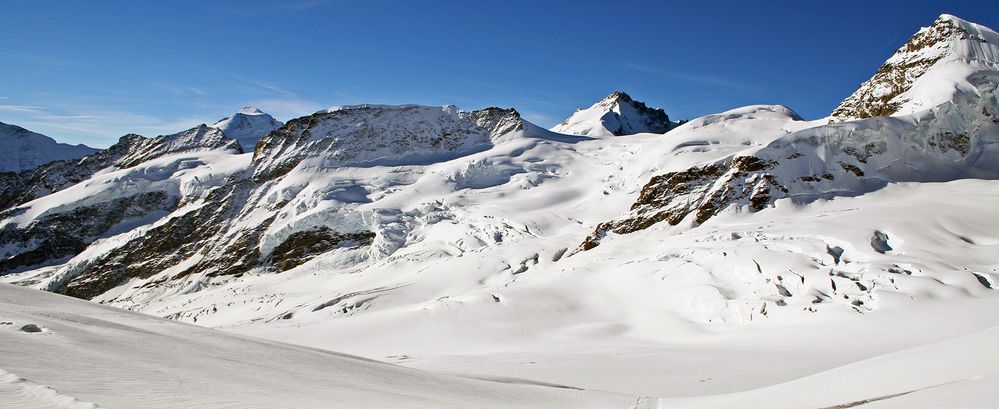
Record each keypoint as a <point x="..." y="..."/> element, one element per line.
<point x="24" y="149"/>
<point x="615" y="115"/>
<point x="946" y="52"/>
<point x="619" y="95"/>
<point x="247" y="126"/>
<point x="251" y="110"/>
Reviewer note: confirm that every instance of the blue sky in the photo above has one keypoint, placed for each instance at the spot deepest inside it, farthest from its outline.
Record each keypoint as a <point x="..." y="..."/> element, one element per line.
<point x="89" y="72"/>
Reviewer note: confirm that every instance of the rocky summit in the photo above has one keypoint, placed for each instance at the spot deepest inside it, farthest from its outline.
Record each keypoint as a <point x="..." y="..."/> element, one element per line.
<point x="617" y="114"/>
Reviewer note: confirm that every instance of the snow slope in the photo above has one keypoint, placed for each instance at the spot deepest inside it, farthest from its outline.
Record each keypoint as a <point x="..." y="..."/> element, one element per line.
<point x="90" y="356"/>
<point x="23" y="149"/>
<point x="617" y="114"/>
<point x="746" y="251"/>
<point x="247" y="126"/>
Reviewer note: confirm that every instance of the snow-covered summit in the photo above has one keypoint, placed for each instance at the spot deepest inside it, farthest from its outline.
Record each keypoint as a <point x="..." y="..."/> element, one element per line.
<point x="247" y="126"/>
<point x="617" y="114"/>
<point x="385" y="134"/>
<point x="202" y="137"/>
<point x="927" y="71"/>
<point x="25" y="150"/>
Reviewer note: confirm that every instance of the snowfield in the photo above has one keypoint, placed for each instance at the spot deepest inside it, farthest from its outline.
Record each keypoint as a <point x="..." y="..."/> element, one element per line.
<point x="91" y="356"/>
<point x="748" y="258"/>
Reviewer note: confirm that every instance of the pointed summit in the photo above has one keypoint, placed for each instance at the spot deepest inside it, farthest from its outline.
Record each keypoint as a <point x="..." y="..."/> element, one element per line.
<point x="247" y="126"/>
<point x="617" y="114"/>
<point x="251" y="110"/>
<point x="925" y="72"/>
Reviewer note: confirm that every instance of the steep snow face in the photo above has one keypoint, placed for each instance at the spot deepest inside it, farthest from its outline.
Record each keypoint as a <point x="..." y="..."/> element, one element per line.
<point x="927" y="71"/>
<point x="23" y="149"/>
<point x="199" y="138"/>
<point x="617" y="114"/>
<point x="247" y="126"/>
<point x="382" y="135"/>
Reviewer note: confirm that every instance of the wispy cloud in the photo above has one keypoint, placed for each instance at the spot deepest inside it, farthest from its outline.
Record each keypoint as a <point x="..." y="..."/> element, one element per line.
<point x="63" y="117"/>
<point x="278" y="7"/>
<point x="702" y="79"/>
<point x="93" y="125"/>
<point x="287" y="108"/>
<point x="23" y="108"/>
<point x="179" y="90"/>
<point x="279" y="101"/>
<point x="161" y="107"/>
<point x="302" y="5"/>
<point x="268" y="87"/>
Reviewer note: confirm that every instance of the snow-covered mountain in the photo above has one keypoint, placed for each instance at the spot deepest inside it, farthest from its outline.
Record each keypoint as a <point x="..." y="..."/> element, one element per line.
<point x="931" y="68"/>
<point x="55" y="211"/>
<point x="255" y="220"/>
<point x="477" y="242"/>
<point x="617" y="114"/>
<point x="247" y="126"/>
<point x="356" y="188"/>
<point x="23" y="149"/>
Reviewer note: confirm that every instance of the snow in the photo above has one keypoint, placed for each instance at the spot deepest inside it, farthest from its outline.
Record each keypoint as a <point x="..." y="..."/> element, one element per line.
<point x="617" y="114"/>
<point x="91" y="356"/>
<point x="462" y="276"/>
<point x="188" y="175"/>
<point x="931" y="69"/>
<point x="23" y="149"/>
<point x="247" y="126"/>
<point x="870" y="286"/>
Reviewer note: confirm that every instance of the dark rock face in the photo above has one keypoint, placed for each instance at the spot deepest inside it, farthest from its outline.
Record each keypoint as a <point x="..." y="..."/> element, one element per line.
<point x="305" y="245"/>
<point x="619" y="114"/>
<point x="655" y="119"/>
<point x="673" y="196"/>
<point x="66" y="234"/>
<point x="176" y="240"/>
<point x="498" y="121"/>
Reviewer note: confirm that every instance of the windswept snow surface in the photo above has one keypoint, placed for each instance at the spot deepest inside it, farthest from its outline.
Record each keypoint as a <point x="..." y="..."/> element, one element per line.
<point x="23" y="149"/>
<point x="92" y="356"/>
